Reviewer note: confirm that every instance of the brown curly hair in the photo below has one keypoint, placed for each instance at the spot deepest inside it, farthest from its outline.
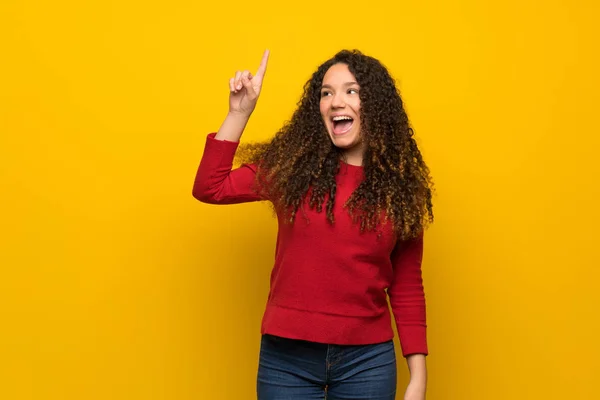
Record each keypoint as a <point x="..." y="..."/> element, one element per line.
<point x="300" y="160"/>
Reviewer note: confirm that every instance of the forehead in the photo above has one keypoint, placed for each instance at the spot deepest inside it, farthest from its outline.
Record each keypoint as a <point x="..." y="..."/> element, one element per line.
<point x="338" y="73"/>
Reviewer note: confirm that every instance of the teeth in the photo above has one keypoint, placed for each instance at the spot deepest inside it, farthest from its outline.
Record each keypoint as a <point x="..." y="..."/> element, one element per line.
<point x="341" y="118"/>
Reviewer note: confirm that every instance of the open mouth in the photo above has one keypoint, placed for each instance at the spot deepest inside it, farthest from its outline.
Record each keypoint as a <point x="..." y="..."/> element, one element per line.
<point x="342" y="124"/>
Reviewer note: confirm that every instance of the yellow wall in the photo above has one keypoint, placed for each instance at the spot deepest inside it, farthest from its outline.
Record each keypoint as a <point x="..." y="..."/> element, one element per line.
<point x="117" y="284"/>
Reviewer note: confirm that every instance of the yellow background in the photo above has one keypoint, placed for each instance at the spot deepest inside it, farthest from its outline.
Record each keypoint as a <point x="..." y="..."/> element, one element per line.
<point x="117" y="284"/>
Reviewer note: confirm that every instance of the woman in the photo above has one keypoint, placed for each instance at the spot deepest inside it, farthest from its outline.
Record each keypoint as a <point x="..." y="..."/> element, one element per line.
<point x="353" y="198"/>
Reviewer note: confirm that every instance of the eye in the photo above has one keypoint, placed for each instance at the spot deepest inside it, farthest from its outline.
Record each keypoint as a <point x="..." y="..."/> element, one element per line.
<point x="352" y="91"/>
<point x="325" y="93"/>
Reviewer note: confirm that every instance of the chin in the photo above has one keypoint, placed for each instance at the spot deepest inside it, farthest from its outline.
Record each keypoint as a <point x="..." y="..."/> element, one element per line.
<point x="344" y="142"/>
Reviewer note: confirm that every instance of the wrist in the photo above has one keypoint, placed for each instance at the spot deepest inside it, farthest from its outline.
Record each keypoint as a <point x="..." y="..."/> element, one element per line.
<point x="233" y="127"/>
<point x="418" y="379"/>
<point x="238" y="116"/>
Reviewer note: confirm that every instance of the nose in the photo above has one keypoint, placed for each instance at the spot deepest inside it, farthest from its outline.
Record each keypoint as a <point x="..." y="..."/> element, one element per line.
<point x="338" y="101"/>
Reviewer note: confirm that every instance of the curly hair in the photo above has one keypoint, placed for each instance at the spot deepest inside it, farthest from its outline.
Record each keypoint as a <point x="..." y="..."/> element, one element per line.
<point x="300" y="162"/>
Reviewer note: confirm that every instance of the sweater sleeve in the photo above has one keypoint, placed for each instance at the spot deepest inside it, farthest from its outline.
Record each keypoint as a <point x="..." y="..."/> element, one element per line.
<point x="407" y="297"/>
<point x="216" y="182"/>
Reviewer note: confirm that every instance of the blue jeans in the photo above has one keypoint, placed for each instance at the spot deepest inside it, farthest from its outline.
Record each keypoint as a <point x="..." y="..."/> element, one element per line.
<point x="299" y="370"/>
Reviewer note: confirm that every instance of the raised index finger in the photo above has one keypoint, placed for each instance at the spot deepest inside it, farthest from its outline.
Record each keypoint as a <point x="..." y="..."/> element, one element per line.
<point x="260" y="73"/>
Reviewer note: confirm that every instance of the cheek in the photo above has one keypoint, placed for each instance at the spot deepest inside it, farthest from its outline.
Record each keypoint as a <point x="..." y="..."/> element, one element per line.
<point x="357" y="109"/>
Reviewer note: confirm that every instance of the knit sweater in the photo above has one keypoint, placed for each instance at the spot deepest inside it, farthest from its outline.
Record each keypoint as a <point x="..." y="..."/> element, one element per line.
<point x="330" y="283"/>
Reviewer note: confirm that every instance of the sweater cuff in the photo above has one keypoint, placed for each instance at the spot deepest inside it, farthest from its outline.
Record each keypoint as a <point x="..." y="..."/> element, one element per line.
<point x="226" y="148"/>
<point x="413" y="340"/>
<point x="211" y="138"/>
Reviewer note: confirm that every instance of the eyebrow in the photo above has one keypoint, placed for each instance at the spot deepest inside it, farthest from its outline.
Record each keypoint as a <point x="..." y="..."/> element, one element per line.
<point x="345" y="84"/>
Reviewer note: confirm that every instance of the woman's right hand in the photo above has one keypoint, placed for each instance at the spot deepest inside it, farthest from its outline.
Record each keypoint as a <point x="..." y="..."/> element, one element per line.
<point x="244" y="89"/>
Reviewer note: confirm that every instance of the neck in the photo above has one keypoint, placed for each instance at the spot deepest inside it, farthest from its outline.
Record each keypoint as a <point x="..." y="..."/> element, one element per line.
<point x="354" y="156"/>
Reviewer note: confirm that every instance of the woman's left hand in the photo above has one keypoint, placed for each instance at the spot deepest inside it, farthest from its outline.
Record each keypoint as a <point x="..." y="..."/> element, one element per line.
<point x="415" y="391"/>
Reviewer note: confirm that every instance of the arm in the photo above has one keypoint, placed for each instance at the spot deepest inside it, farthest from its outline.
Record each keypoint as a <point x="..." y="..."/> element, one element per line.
<point x="418" y="377"/>
<point x="407" y="299"/>
<point x="215" y="181"/>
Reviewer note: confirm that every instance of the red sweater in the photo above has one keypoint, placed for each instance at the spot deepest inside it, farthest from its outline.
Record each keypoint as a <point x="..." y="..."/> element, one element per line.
<point x="329" y="282"/>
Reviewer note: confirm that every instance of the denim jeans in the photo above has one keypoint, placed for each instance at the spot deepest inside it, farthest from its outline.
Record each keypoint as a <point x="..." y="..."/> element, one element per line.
<point x="299" y="370"/>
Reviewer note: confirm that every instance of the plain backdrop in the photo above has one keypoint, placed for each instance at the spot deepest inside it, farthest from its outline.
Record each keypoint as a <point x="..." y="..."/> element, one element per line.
<point x="116" y="284"/>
